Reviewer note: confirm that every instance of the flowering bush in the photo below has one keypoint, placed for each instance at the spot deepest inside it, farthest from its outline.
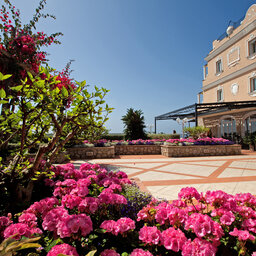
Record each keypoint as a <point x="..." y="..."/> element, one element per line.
<point x="172" y="142"/>
<point x="84" y="212"/>
<point x="200" y="141"/>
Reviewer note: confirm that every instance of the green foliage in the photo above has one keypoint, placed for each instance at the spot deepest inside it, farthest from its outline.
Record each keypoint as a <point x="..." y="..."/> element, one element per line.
<point x="10" y="246"/>
<point x="40" y="108"/>
<point x="153" y="136"/>
<point x="197" y="131"/>
<point x="113" y="136"/>
<point x="134" y="125"/>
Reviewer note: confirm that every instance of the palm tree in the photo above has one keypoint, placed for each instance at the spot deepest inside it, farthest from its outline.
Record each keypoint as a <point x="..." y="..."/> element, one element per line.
<point x="134" y="125"/>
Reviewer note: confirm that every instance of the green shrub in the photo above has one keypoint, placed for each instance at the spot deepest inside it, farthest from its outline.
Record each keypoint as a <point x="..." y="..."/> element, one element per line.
<point x="113" y="136"/>
<point x="197" y="131"/>
<point x="165" y="136"/>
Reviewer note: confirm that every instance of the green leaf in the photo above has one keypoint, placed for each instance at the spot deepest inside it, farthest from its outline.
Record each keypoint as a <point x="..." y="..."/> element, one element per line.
<point x="64" y="91"/>
<point x="53" y="243"/>
<point x="29" y="245"/>
<point x="6" y="77"/>
<point x="91" y="253"/>
<point x="2" y="93"/>
<point x="3" y="101"/>
<point x="17" y="88"/>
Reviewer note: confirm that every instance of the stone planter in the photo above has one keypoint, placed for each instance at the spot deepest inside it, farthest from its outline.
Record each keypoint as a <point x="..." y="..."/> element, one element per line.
<point x="207" y="150"/>
<point x="91" y="152"/>
<point x="137" y="149"/>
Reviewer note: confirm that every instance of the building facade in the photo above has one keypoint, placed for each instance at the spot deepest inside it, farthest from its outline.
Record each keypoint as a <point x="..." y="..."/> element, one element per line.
<point x="230" y="76"/>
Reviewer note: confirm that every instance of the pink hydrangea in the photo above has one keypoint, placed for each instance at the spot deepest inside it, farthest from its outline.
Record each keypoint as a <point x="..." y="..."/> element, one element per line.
<point x="125" y="224"/>
<point x="111" y="227"/>
<point x="4" y="222"/>
<point x="227" y="218"/>
<point x="202" y="225"/>
<point x="177" y="217"/>
<point x="71" y="201"/>
<point x="242" y="235"/>
<point x="189" y="193"/>
<point x="53" y="217"/>
<point x="65" y="249"/>
<point x="173" y="239"/>
<point x="43" y="206"/>
<point x="109" y="252"/>
<point x="198" y="247"/>
<point x="28" y="218"/>
<point x="72" y="224"/>
<point x="19" y="230"/>
<point x="150" y="235"/>
<point x="89" y="205"/>
<point x="140" y="252"/>
<point x="250" y="225"/>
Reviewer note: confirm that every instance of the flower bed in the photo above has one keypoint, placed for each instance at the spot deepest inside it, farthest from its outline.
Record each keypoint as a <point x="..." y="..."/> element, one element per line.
<point x="169" y="148"/>
<point x="90" y="210"/>
<point x="200" y="150"/>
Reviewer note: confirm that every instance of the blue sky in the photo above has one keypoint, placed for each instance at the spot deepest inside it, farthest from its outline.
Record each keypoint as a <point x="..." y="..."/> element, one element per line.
<point x="148" y="53"/>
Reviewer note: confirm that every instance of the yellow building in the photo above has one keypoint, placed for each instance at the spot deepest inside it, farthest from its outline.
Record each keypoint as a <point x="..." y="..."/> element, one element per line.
<point x="227" y="103"/>
<point x="230" y="76"/>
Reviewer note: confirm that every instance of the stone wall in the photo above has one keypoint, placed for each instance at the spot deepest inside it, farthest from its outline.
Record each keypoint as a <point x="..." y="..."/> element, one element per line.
<point x="91" y="152"/>
<point x="137" y="149"/>
<point x="209" y="150"/>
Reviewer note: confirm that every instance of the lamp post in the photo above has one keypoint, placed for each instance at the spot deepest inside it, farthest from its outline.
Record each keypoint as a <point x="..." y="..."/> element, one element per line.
<point x="182" y="122"/>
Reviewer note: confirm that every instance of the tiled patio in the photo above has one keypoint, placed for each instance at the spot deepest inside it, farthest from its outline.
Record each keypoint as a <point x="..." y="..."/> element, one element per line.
<point x="163" y="177"/>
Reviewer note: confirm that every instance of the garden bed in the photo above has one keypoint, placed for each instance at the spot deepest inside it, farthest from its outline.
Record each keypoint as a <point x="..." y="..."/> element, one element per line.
<point x="200" y="150"/>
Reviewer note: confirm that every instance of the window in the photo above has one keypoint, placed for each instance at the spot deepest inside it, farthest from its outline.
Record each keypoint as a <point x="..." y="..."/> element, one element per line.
<point x="250" y="124"/>
<point x="228" y="128"/>
<point x="219" y="95"/>
<point x="218" y="67"/>
<point x="205" y="71"/>
<point x="252" y="47"/>
<point x="253" y="84"/>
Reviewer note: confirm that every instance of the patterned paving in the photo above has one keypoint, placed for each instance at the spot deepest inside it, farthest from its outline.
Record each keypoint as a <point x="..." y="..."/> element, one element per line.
<point x="164" y="177"/>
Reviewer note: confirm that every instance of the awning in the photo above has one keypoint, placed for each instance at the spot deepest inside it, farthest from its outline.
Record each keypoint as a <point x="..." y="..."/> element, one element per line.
<point x="192" y="112"/>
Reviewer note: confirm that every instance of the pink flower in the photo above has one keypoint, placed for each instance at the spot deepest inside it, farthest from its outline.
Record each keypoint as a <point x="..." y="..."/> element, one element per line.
<point x="65" y="249"/>
<point x="71" y="201"/>
<point x="140" y="252"/>
<point x="28" y="218"/>
<point x="242" y="235"/>
<point x="43" y="206"/>
<point x="227" y="218"/>
<point x="198" y="247"/>
<point x="108" y="252"/>
<point x="189" y="193"/>
<point x="202" y="225"/>
<point x="52" y="218"/>
<point x="72" y="224"/>
<point x="150" y="235"/>
<point x="111" y="226"/>
<point x="89" y="205"/>
<point x="173" y="239"/>
<point x="4" y="222"/>
<point x="125" y="224"/>
<point x="19" y="230"/>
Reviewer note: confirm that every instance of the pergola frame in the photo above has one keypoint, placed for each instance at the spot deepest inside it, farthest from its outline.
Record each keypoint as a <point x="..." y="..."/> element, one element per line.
<point x="198" y="109"/>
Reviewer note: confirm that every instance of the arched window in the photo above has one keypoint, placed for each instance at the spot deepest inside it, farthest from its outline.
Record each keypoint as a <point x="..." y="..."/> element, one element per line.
<point x="250" y="124"/>
<point x="228" y="128"/>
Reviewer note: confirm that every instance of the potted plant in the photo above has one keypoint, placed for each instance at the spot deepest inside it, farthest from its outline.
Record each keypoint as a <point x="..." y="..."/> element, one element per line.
<point x="249" y="140"/>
